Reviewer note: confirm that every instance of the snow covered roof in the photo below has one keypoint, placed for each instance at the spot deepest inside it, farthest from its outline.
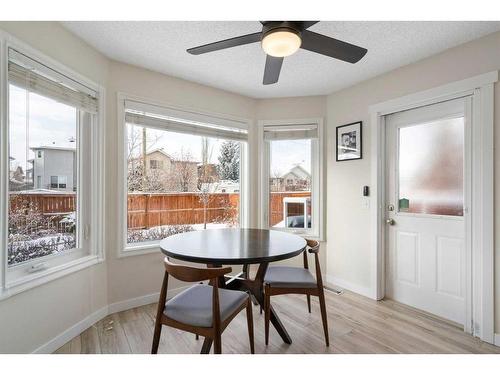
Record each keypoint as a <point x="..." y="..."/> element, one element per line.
<point x="42" y="191"/>
<point x="299" y="172"/>
<point x="160" y="150"/>
<point x="57" y="148"/>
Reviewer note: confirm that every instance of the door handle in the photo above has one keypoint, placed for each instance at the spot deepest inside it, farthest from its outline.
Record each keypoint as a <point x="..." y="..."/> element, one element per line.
<point x="390" y="221"/>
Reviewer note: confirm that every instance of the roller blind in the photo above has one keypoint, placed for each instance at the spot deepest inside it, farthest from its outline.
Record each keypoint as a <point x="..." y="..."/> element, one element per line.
<point x="184" y="122"/>
<point x="179" y="126"/>
<point x="36" y="77"/>
<point x="286" y="132"/>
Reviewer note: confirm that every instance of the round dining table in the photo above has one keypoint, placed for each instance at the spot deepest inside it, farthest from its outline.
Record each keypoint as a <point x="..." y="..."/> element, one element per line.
<point x="234" y="246"/>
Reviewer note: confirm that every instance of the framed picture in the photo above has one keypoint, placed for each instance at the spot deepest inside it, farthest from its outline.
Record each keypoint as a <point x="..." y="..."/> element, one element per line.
<point x="349" y="142"/>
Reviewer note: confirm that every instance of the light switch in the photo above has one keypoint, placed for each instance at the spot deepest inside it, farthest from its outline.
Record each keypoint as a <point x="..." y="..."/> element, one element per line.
<point x="366" y="203"/>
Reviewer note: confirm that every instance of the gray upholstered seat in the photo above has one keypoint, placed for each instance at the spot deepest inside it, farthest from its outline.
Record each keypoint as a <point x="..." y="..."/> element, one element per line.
<point x="194" y="305"/>
<point x="289" y="277"/>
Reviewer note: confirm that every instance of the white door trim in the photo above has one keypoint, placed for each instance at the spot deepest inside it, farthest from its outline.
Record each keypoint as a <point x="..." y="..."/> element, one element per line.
<point x="480" y="87"/>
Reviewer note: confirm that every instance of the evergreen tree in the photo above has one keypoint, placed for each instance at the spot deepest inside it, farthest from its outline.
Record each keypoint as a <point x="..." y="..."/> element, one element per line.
<point x="229" y="161"/>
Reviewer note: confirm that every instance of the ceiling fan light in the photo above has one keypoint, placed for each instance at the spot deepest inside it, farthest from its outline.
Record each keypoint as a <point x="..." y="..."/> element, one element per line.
<point x="281" y="43"/>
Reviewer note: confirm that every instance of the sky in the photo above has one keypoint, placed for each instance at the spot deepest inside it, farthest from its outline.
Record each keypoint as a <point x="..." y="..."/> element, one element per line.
<point x="44" y="122"/>
<point x="289" y="153"/>
<point x="177" y="144"/>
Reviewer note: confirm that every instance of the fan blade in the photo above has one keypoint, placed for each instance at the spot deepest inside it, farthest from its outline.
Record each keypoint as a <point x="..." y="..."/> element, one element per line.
<point x="308" y="24"/>
<point x="227" y="43"/>
<point x="272" y="69"/>
<point x="332" y="47"/>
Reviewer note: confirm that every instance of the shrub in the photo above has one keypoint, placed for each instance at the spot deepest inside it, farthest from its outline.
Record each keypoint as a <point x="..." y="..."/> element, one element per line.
<point x="156" y="233"/>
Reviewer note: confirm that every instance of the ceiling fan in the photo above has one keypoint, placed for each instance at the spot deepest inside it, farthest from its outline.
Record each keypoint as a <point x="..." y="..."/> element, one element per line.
<point x="280" y="39"/>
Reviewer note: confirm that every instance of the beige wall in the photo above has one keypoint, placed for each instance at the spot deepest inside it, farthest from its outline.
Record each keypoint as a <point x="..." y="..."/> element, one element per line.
<point x="348" y="229"/>
<point x="30" y="319"/>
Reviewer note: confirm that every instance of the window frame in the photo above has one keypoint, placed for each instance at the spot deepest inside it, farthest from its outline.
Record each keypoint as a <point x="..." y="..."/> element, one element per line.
<point x="15" y="279"/>
<point x="61" y="180"/>
<point x="125" y="249"/>
<point x="317" y="181"/>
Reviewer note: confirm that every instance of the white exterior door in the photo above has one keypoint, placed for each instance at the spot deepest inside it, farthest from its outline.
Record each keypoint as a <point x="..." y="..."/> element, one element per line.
<point x="426" y="200"/>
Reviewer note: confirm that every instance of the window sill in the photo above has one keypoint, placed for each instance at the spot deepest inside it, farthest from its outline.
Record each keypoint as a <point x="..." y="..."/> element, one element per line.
<point x="35" y="280"/>
<point x="140" y="249"/>
<point x="301" y="233"/>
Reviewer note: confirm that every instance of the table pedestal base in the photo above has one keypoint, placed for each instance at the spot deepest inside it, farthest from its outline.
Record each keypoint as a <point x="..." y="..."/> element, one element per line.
<point x="256" y="288"/>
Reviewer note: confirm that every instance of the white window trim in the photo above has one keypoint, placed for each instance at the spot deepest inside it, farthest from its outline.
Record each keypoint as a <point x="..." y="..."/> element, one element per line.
<point x="96" y="246"/>
<point x="125" y="250"/>
<point x="479" y="296"/>
<point x="317" y="190"/>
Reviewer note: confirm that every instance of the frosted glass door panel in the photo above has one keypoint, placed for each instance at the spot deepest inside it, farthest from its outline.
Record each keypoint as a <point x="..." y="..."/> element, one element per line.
<point x="431" y="168"/>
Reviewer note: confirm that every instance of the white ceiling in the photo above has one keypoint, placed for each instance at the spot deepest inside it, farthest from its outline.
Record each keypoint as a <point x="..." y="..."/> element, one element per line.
<point x="161" y="46"/>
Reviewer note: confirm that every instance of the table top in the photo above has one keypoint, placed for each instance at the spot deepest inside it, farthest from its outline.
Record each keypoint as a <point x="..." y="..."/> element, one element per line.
<point x="233" y="246"/>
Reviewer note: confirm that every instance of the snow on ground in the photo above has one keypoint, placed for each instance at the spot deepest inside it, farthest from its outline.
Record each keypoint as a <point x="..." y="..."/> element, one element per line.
<point x="163" y="231"/>
<point x="211" y="226"/>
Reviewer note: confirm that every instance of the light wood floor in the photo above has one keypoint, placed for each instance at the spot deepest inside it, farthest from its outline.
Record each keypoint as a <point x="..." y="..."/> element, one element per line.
<point x="356" y="323"/>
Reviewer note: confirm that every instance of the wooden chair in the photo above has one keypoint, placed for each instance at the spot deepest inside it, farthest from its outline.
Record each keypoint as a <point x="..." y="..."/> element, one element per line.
<point x="296" y="280"/>
<point x="204" y="310"/>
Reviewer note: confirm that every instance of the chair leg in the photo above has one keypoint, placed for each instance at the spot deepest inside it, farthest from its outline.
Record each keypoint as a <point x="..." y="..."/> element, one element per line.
<point x="197" y="336"/>
<point x="309" y="303"/>
<point x="157" y="334"/>
<point x="218" y="343"/>
<point x="267" y="311"/>
<point x="250" y="325"/>
<point x="324" y="318"/>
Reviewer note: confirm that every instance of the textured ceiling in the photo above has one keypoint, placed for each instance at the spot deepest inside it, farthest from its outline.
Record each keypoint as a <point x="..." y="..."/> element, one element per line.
<point x="161" y="46"/>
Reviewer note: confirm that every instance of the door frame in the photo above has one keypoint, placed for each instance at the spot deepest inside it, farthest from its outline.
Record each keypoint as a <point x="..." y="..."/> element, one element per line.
<point x="479" y="225"/>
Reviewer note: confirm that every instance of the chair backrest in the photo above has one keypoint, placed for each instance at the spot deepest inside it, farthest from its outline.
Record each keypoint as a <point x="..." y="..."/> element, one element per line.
<point x="313" y="246"/>
<point x="194" y="274"/>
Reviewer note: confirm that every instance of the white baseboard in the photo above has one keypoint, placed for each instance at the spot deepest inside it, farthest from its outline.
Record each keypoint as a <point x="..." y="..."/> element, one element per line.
<point x="69" y="334"/>
<point x="497" y="339"/>
<point x="58" y="341"/>
<point x="140" y="301"/>
<point x="335" y="281"/>
<point x="133" y="302"/>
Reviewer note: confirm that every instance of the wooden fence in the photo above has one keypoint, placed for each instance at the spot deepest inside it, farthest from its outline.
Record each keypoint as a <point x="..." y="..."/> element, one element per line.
<point x="149" y="210"/>
<point x="47" y="204"/>
<point x="25" y="210"/>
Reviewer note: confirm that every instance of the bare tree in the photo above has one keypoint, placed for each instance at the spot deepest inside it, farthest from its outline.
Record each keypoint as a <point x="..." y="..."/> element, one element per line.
<point x="140" y="142"/>
<point x="184" y="171"/>
<point x="276" y="176"/>
<point x="206" y="185"/>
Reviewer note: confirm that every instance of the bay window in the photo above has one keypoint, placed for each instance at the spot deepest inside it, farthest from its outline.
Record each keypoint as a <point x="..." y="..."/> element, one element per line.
<point x="52" y="146"/>
<point x="181" y="172"/>
<point x="291" y="190"/>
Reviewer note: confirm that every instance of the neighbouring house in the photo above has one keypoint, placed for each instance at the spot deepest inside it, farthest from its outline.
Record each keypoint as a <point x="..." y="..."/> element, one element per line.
<point x="18" y="178"/>
<point x="167" y="173"/>
<point x="296" y="179"/>
<point x="54" y="168"/>
<point x="227" y="186"/>
<point x="207" y="173"/>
